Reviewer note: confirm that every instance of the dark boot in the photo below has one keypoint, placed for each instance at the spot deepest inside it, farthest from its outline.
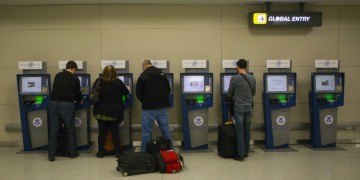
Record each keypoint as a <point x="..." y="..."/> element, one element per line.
<point x="100" y="154"/>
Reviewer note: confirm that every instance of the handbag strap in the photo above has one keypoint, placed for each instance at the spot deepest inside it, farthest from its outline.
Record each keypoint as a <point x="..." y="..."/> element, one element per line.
<point x="97" y="81"/>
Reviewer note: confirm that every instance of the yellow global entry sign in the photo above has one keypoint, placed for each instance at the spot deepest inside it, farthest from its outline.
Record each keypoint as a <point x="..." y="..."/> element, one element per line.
<point x="285" y="19"/>
<point x="260" y="18"/>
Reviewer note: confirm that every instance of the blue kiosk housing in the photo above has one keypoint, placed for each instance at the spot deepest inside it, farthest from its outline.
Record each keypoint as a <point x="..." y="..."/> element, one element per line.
<point x="277" y="104"/>
<point x="125" y="126"/>
<point x="34" y="87"/>
<point x="34" y="98"/>
<point x="279" y="96"/>
<point x="326" y="95"/>
<point x="225" y="105"/>
<point x="82" y="113"/>
<point x="196" y="99"/>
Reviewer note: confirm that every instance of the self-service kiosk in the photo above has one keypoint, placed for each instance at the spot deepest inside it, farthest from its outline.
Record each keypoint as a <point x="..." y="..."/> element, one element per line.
<point x="326" y="95"/>
<point x="82" y="111"/>
<point x="164" y="66"/>
<point x="279" y="96"/>
<point x="34" y="87"/>
<point x="196" y="99"/>
<point x="122" y="70"/>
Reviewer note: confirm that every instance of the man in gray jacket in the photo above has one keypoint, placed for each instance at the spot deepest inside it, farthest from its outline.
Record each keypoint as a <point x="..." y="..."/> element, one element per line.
<point x="242" y="88"/>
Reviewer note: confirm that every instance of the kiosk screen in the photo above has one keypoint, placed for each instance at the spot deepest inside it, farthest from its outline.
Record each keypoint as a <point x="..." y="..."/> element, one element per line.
<point x="122" y="78"/>
<point x="127" y="80"/>
<point x="80" y="79"/>
<point x="84" y="83"/>
<point x="325" y="83"/>
<point x="193" y="84"/>
<point x="226" y="83"/>
<point x="276" y="83"/>
<point x="33" y="85"/>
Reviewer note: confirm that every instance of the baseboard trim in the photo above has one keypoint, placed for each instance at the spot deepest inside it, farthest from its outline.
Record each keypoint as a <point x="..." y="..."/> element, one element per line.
<point x="11" y="144"/>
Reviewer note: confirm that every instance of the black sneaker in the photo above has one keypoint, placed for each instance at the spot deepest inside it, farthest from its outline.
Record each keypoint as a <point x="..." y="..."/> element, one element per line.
<point x="74" y="155"/>
<point x="100" y="154"/>
<point x="246" y="155"/>
<point x="239" y="158"/>
<point x="51" y="158"/>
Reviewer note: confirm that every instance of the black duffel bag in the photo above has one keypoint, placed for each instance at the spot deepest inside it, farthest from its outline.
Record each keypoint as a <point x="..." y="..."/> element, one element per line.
<point x="136" y="163"/>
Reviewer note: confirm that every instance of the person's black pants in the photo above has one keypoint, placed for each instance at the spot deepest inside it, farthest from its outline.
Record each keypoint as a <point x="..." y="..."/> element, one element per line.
<point x="104" y="126"/>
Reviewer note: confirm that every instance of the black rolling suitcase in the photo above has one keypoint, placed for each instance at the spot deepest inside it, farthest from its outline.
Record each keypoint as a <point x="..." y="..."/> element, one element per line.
<point x="227" y="140"/>
<point x="136" y="163"/>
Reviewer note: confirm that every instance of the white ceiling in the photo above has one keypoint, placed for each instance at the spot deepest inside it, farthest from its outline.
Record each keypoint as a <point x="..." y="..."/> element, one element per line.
<point x="63" y="2"/>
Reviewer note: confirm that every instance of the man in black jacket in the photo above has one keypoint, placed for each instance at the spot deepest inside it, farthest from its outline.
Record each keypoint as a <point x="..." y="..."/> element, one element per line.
<point x="153" y="89"/>
<point x="66" y="91"/>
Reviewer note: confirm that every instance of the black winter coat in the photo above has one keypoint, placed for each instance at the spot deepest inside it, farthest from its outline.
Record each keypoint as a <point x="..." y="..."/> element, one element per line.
<point x="110" y="99"/>
<point x="153" y="89"/>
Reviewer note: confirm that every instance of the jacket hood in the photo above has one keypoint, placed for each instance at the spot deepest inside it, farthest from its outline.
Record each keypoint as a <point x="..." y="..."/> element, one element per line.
<point x="152" y="71"/>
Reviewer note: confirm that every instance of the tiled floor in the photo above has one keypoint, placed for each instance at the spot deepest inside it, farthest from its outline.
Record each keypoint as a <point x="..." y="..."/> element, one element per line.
<point x="303" y="164"/>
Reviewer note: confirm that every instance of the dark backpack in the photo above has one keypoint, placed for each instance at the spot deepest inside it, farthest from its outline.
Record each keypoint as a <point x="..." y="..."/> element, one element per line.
<point x="157" y="145"/>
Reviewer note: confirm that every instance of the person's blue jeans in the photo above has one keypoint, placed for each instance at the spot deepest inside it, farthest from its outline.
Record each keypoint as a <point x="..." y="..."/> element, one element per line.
<point x="62" y="112"/>
<point x="148" y="118"/>
<point x="243" y="115"/>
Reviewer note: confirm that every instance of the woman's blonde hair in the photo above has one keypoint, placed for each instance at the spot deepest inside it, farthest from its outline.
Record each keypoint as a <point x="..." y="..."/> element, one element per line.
<point x="109" y="73"/>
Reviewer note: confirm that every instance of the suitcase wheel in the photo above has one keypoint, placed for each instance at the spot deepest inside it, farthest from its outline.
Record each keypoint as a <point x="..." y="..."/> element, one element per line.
<point x="122" y="171"/>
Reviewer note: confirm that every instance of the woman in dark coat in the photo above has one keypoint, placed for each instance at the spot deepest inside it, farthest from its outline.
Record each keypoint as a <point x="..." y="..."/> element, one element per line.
<point x="109" y="111"/>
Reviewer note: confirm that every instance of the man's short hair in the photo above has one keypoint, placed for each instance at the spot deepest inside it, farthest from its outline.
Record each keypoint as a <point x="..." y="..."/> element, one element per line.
<point x="241" y="63"/>
<point x="71" y="64"/>
<point x="147" y="62"/>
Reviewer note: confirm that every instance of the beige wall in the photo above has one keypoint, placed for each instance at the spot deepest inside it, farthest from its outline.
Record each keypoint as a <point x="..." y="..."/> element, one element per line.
<point x="175" y="32"/>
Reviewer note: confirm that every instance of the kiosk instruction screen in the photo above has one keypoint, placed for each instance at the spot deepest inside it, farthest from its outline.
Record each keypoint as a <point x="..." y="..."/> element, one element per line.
<point x="31" y="85"/>
<point x="276" y="83"/>
<point x="194" y="83"/>
<point x="325" y="82"/>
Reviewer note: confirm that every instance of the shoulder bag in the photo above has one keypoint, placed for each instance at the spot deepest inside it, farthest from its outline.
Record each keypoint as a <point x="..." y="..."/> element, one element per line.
<point x="94" y="93"/>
